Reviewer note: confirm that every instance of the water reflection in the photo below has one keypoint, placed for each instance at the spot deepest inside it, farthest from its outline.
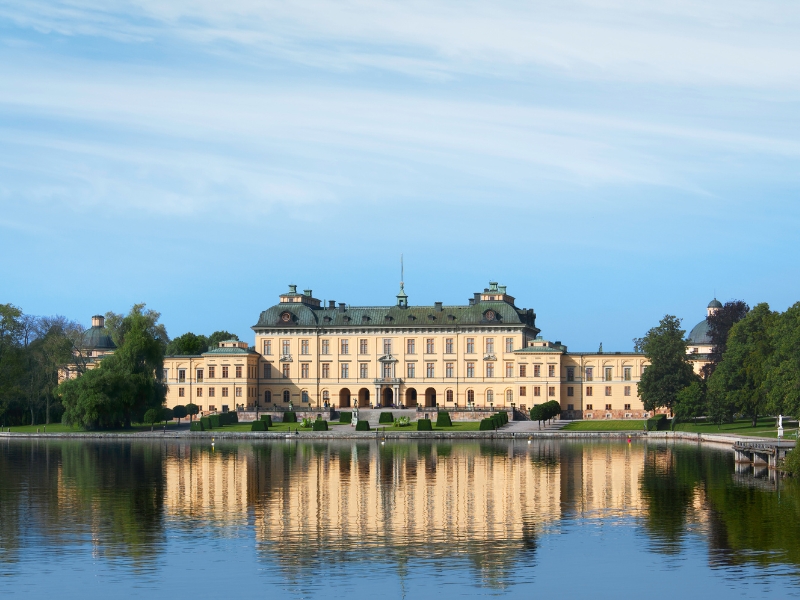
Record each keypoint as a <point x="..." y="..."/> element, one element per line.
<point x="326" y="508"/>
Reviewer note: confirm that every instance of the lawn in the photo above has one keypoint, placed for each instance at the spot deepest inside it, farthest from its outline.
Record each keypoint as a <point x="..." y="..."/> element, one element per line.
<point x="61" y="428"/>
<point x="767" y="427"/>
<point x="606" y="425"/>
<point x="457" y="426"/>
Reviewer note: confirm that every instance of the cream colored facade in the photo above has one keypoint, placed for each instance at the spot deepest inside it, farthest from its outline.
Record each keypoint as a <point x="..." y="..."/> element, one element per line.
<point x="485" y="354"/>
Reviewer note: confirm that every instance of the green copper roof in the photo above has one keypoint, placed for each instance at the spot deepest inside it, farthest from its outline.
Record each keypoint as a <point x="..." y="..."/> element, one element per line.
<point x="699" y="334"/>
<point x="715" y="304"/>
<point x="538" y="349"/>
<point x="229" y="351"/>
<point x="97" y="338"/>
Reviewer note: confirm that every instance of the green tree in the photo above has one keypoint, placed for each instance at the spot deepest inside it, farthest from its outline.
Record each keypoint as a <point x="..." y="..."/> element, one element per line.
<point x="740" y="378"/>
<point x="670" y="370"/>
<point x="719" y="327"/>
<point x="220" y="336"/>
<point x="538" y="414"/>
<point x="192" y="409"/>
<point x="153" y="416"/>
<point x="690" y="402"/>
<point x="12" y="366"/>
<point x="783" y="376"/>
<point x="167" y="414"/>
<point x="188" y="343"/>
<point x="179" y="412"/>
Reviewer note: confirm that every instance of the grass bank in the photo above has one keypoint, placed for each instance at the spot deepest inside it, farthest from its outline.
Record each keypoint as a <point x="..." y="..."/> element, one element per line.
<point x="61" y="428"/>
<point x="606" y="425"/>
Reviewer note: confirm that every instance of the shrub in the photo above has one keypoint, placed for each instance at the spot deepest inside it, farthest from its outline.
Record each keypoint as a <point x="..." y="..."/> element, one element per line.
<point x="386" y="417"/>
<point x="362" y="426"/>
<point x="196" y="426"/>
<point x="223" y="419"/>
<point x="153" y="416"/>
<point x="306" y="422"/>
<point x="289" y="417"/>
<point x="443" y="420"/>
<point x="657" y="423"/>
<point x="216" y="421"/>
<point x="402" y="422"/>
<point x="192" y="409"/>
<point x="320" y="425"/>
<point x="179" y="412"/>
<point x="345" y="417"/>
<point x="424" y="425"/>
<point x="206" y="421"/>
<point x="233" y="418"/>
<point x="487" y="425"/>
<point x="267" y="419"/>
<point x="166" y="414"/>
<point x="259" y="426"/>
<point x="791" y="463"/>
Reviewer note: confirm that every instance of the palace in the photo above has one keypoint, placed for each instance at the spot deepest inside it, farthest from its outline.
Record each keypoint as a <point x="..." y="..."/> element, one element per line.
<point x="485" y="354"/>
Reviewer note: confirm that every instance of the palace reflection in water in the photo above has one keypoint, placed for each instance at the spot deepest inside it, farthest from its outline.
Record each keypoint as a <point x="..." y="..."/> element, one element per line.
<point x="312" y="507"/>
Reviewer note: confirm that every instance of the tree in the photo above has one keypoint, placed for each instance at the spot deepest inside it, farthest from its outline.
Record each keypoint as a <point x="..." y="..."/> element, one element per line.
<point x="719" y="326"/>
<point x="670" y="370"/>
<point x="783" y="376"/>
<point x="192" y="409"/>
<point x="220" y="336"/>
<point x="537" y="414"/>
<point x="740" y="378"/>
<point x="153" y="416"/>
<point x="179" y="412"/>
<point x="11" y="359"/>
<point x="167" y="414"/>
<point x="189" y="344"/>
<point x="690" y="402"/>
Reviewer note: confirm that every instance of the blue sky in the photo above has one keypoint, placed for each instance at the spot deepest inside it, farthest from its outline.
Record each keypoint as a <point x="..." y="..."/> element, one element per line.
<point x="609" y="161"/>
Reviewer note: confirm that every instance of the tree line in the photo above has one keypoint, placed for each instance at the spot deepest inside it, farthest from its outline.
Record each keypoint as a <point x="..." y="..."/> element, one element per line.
<point x="753" y="369"/>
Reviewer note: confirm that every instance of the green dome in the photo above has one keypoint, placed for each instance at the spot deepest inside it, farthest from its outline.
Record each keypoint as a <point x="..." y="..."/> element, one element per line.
<point x="699" y="334"/>
<point x="715" y="304"/>
<point x="98" y="338"/>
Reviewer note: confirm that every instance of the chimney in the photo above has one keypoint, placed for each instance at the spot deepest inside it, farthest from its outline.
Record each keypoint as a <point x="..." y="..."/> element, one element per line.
<point x="341" y="307"/>
<point x="292" y="289"/>
<point x="502" y="289"/>
<point x="477" y="297"/>
<point x="332" y="304"/>
<point x="472" y="301"/>
<point x="438" y="306"/>
<point x="307" y="293"/>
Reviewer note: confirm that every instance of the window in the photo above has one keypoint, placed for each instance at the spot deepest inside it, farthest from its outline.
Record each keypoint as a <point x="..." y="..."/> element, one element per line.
<point x="509" y="396"/>
<point x="626" y="373"/>
<point x="345" y="370"/>
<point x="285" y="347"/>
<point x="387" y="346"/>
<point x="570" y="391"/>
<point x="199" y="392"/>
<point x="570" y="373"/>
<point x="608" y="390"/>
<point x="448" y="369"/>
<point x="448" y="395"/>
<point x="448" y="346"/>
<point x="608" y="407"/>
<point x="509" y="369"/>
<point x="509" y="344"/>
<point x="267" y="371"/>
<point x="470" y="396"/>
<point x="286" y="396"/>
<point x="286" y="371"/>
<point x="551" y="370"/>
<point x="267" y="346"/>
<point x="238" y="392"/>
<point x="363" y="346"/>
<point x="387" y="371"/>
<point x="199" y="375"/>
<point x="470" y="369"/>
<point x="165" y="374"/>
<point x="238" y="371"/>
<point x="212" y="372"/>
<point x="627" y="390"/>
<point x="326" y="370"/>
<point x="537" y="391"/>
<point x="224" y="372"/>
<point x="411" y="347"/>
<point x="363" y="370"/>
<point x="267" y="397"/>
<point x="537" y="370"/>
<point x="326" y="346"/>
<point x="345" y="346"/>
<point x="489" y="345"/>
<point x="304" y="396"/>
<point x="410" y="370"/>
<point x="429" y="370"/>
<point x="523" y="391"/>
<point x="224" y="392"/>
<point x="570" y="407"/>
<point x="429" y="346"/>
<point x="607" y="374"/>
<point x="627" y="407"/>
<point x="303" y="346"/>
<point x="589" y="407"/>
<point x="589" y="391"/>
<point x="326" y="397"/>
<point x="304" y="370"/>
<point x="181" y="392"/>
<point x="641" y="369"/>
<point x="181" y="375"/>
<point x="551" y="391"/>
<point x="490" y="369"/>
<point x="489" y="396"/>
<point x="470" y="345"/>
<point x="523" y="370"/>
<point x="589" y="373"/>
<point x="211" y="392"/>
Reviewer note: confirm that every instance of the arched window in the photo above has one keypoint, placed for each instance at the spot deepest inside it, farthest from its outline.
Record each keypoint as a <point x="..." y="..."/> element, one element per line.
<point x="489" y="396"/>
<point x="449" y="395"/>
<point x="471" y="396"/>
<point x="267" y="397"/>
<point x="286" y="396"/>
<point x="326" y="396"/>
<point x="509" y="396"/>
<point x="304" y="396"/>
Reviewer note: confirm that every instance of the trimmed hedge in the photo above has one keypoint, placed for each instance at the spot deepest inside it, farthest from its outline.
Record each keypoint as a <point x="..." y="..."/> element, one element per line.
<point x="259" y="426"/>
<point x="424" y="425"/>
<point x="443" y="419"/>
<point x="487" y="425"/>
<point x="345" y="417"/>
<point x="498" y="422"/>
<point x="267" y="419"/>
<point x="196" y="426"/>
<point x="223" y="419"/>
<point x="216" y="421"/>
<point x="206" y="421"/>
<point x="233" y="418"/>
<point x="320" y="425"/>
<point x="658" y="423"/>
<point x="362" y="426"/>
<point x="386" y="417"/>
<point x="289" y="417"/>
<point x="503" y="416"/>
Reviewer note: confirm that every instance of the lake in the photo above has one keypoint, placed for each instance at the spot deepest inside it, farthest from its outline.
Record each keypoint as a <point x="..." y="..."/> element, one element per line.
<point x="606" y="519"/>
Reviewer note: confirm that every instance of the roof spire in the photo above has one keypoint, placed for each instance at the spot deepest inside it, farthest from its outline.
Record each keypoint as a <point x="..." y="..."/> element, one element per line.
<point x="402" y="297"/>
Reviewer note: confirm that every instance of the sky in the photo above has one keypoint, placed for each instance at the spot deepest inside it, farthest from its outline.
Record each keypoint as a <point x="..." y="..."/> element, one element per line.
<point x="610" y="161"/>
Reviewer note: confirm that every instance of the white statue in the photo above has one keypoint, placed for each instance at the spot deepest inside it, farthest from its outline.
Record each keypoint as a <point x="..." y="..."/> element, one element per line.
<point x="354" y="417"/>
<point x="780" y="426"/>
